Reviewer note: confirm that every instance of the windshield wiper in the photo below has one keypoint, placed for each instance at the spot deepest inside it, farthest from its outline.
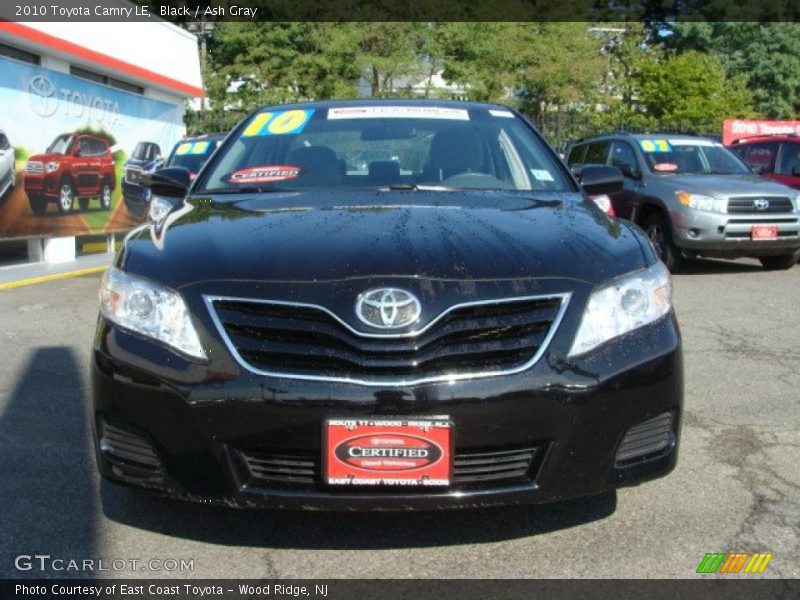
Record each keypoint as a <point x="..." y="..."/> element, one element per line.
<point x="250" y="189"/>
<point x="418" y="188"/>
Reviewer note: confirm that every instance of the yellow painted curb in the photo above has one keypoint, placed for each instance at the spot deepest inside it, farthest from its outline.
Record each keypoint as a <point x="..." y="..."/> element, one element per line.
<point x="54" y="276"/>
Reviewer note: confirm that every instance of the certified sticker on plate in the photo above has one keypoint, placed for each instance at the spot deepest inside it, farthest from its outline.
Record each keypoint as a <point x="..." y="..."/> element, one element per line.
<point x="764" y="232"/>
<point x="387" y="452"/>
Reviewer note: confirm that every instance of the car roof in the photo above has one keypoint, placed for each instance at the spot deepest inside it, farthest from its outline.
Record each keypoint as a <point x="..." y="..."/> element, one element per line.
<point x="324" y="104"/>
<point x="640" y="136"/>
<point x="214" y="137"/>
<point x="782" y="137"/>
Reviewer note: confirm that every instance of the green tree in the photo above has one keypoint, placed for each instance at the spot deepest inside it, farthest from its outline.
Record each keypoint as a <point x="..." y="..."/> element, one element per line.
<point x="765" y="55"/>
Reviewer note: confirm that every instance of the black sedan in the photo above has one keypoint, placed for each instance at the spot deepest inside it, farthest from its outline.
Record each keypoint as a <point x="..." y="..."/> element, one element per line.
<point x="385" y="305"/>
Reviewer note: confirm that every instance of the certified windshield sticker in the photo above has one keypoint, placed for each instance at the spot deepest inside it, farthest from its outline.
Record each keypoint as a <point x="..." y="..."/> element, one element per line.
<point x="398" y="112"/>
<point x="542" y="175"/>
<point x="265" y="174"/>
<point x="655" y="145"/>
<point x="507" y="114"/>
<point x="281" y="122"/>
<point x="192" y="148"/>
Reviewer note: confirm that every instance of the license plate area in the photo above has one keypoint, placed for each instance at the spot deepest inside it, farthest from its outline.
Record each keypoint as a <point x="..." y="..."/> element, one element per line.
<point x="388" y="452"/>
<point x="764" y="232"/>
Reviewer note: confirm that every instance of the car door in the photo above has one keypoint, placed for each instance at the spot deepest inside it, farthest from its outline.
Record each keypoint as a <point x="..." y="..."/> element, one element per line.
<point x="83" y="172"/>
<point x="623" y="156"/>
<point x="787" y="169"/>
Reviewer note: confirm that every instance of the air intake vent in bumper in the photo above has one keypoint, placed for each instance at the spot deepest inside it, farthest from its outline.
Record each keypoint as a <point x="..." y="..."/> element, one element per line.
<point x="125" y="447"/>
<point x="470" y="469"/>
<point x="647" y="439"/>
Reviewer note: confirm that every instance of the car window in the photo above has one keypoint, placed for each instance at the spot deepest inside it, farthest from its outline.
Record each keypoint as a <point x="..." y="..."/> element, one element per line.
<point x="192" y="154"/>
<point x="98" y="147"/>
<point x="623" y="157"/>
<point x="576" y="155"/>
<point x="760" y="157"/>
<point x="61" y="145"/>
<point x="699" y="156"/>
<point x="596" y="153"/>
<point x="790" y="159"/>
<point x="85" y="146"/>
<point x="375" y="146"/>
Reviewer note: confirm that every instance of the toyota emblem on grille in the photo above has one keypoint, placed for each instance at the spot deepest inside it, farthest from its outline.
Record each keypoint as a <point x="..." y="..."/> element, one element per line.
<point x="761" y="203"/>
<point x="388" y="308"/>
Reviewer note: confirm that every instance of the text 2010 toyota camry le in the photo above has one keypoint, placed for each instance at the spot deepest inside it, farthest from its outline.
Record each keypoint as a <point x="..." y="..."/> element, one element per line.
<point x="377" y="305"/>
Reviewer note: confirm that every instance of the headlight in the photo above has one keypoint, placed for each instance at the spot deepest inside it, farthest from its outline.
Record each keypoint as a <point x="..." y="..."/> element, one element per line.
<point x="51" y="167"/>
<point x="150" y="310"/>
<point x="159" y="209"/>
<point x="701" y="202"/>
<point x="625" y="304"/>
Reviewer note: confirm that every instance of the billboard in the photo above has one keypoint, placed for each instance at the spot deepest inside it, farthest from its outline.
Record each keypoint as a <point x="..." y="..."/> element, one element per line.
<point x="738" y="129"/>
<point x="64" y="142"/>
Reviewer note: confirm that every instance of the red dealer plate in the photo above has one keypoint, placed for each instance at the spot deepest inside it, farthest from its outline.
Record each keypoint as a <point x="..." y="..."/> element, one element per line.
<point x="387" y="452"/>
<point x="764" y="232"/>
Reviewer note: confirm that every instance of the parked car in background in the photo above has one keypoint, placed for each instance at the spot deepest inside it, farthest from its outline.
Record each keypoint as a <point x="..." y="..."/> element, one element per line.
<point x="192" y="152"/>
<point x="75" y="166"/>
<point x="146" y="158"/>
<point x="776" y="157"/>
<point x="8" y="171"/>
<point x="456" y="327"/>
<point x="695" y="197"/>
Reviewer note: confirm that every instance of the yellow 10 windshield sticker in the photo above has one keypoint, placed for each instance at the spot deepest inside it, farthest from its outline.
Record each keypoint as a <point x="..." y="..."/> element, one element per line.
<point x="192" y="148"/>
<point x="282" y="122"/>
<point x="655" y="146"/>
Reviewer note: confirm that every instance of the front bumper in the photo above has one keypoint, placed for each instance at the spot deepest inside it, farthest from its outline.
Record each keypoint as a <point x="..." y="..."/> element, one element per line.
<point x="41" y="185"/>
<point x="202" y="423"/>
<point x="728" y="235"/>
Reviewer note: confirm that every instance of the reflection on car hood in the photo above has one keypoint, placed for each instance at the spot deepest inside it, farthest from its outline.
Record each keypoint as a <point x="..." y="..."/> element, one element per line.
<point x="345" y="235"/>
<point x="727" y="185"/>
<point x="47" y="157"/>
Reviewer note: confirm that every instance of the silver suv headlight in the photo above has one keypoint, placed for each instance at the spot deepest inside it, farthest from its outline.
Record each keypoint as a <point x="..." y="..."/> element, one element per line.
<point x="701" y="202"/>
<point x="149" y="309"/>
<point x="622" y="305"/>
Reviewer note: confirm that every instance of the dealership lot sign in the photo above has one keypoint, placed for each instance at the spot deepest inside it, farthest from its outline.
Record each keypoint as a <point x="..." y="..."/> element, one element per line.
<point x="737" y="129"/>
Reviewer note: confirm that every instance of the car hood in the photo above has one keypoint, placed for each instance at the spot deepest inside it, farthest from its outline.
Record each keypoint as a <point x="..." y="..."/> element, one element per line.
<point x="446" y="235"/>
<point x="727" y="185"/>
<point x="141" y="163"/>
<point x="47" y="157"/>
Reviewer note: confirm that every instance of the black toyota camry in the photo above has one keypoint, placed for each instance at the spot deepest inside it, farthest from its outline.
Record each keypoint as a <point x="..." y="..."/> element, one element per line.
<point x="385" y="305"/>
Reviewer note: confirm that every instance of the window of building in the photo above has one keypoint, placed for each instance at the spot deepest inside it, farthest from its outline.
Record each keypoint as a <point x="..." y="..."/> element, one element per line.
<point x="105" y="80"/>
<point x="18" y="54"/>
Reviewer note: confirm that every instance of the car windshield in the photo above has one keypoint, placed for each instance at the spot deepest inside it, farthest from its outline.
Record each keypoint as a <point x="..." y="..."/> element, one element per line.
<point x="191" y="154"/>
<point x="383" y="146"/>
<point x="704" y="157"/>
<point x="145" y="151"/>
<point x="60" y="145"/>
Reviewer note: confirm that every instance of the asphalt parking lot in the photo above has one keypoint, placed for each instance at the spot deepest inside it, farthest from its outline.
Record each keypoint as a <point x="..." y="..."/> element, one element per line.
<point x="736" y="487"/>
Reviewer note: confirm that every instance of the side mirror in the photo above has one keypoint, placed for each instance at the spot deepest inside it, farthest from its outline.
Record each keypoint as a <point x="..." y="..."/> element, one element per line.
<point x="599" y="179"/>
<point x="172" y="182"/>
<point x="630" y="172"/>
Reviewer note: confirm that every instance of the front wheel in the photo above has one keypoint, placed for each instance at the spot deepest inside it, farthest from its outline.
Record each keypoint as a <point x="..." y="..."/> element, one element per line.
<point x="66" y="197"/>
<point x="105" y="198"/>
<point x="660" y="234"/>
<point x="38" y="204"/>
<point x="779" y="263"/>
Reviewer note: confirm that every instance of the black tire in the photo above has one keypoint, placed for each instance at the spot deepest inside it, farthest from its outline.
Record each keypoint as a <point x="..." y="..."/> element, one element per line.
<point x="66" y="197"/>
<point x="38" y="204"/>
<point x="105" y="195"/>
<point x="660" y="234"/>
<point x="779" y="263"/>
<point x="84" y="203"/>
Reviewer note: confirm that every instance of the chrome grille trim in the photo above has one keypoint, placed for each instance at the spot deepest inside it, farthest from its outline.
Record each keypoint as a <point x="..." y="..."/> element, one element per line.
<point x="400" y="382"/>
<point x="34" y="166"/>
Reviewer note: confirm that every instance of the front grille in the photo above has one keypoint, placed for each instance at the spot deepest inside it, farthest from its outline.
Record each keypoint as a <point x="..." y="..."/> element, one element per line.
<point x="470" y="468"/>
<point x="291" y="340"/>
<point x="34" y="166"/>
<point x="745" y="204"/>
<point x="133" y="176"/>
<point x="646" y="440"/>
<point x="126" y="447"/>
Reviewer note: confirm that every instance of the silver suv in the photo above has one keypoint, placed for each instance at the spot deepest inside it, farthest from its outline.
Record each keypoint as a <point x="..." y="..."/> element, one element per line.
<point x="695" y="197"/>
<point x="7" y="165"/>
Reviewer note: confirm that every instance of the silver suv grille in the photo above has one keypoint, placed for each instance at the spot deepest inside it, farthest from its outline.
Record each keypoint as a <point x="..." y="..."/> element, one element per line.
<point x="471" y="340"/>
<point x="760" y="204"/>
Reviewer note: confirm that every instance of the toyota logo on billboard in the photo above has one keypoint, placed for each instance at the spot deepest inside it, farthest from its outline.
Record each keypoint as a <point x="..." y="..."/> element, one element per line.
<point x="42" y="96"/>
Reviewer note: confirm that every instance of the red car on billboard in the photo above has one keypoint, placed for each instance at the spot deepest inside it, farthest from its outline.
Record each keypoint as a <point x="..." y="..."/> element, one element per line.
<point x="75" y="166"/>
